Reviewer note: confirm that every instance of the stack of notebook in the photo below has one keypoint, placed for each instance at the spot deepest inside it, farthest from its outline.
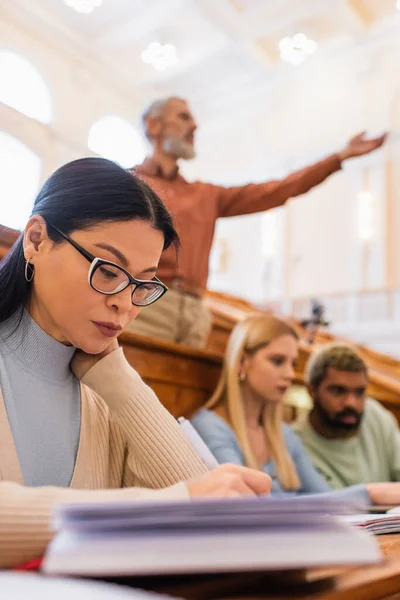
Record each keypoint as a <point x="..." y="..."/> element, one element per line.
<point x="204" y="536"/>
<point x="377" y="524"/>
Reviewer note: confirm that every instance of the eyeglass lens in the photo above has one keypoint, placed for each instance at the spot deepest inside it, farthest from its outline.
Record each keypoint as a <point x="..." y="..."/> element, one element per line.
<point x="109" y="279"/>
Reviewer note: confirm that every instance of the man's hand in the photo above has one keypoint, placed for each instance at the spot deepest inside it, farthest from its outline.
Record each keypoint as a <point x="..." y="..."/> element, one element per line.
<point x="81" y="362"/>
<point x="384" y="493"/>
<point x="358" y="146"/>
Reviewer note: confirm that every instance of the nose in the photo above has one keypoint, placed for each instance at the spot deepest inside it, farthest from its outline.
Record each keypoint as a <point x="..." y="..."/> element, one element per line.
<point x="352" y="401"/>
<point x="289" y="372"/>
<point x="122" y="302"/>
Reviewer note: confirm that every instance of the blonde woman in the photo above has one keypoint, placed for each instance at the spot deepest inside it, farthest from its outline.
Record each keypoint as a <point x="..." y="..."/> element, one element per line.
<point x="243" y="422"/>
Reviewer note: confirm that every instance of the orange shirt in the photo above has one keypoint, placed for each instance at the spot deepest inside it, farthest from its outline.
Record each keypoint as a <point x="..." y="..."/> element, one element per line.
<point x="196" y="206"/>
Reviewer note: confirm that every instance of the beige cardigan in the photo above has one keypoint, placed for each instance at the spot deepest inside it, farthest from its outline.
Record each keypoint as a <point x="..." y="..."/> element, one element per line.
<point x="127" y="440"/>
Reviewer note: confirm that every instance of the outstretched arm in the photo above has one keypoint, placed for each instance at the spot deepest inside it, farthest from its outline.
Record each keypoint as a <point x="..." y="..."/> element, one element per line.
<point x="257" y="197"/>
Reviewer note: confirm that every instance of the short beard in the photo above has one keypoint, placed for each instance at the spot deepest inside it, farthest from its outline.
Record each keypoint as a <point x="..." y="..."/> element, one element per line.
<point x="335" y="422"/>
<point x="178" y="148"/>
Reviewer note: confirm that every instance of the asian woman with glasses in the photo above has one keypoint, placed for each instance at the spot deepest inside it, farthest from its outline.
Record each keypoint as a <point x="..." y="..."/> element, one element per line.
<point x="76" y="421"/>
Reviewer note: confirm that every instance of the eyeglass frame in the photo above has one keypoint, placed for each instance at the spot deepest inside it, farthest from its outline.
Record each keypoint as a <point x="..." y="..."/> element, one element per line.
<point x="95" y="261"/>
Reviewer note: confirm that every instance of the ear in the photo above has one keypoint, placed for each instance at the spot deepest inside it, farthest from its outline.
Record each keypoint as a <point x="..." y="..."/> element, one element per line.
<point x="35" y="237"/>
<point x="244" y="364"/>
<point x="311" y="390"/>
<point x="154" y="127"/>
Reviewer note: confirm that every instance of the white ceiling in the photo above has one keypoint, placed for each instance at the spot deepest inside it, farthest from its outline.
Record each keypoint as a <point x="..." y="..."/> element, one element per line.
<point x="225" y="47"/>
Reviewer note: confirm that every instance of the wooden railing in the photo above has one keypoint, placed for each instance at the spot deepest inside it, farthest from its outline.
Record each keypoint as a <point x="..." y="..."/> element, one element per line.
<point x="384" y="371"/>
<point x="377" y="360"/>
<point x="226" y="311"/>
<point x="184" y="378"/>
<point x="7" y="239"/>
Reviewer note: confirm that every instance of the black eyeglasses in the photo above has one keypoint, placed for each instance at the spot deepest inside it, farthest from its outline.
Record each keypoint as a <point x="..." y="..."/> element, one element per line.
<point x="109" y="278"/>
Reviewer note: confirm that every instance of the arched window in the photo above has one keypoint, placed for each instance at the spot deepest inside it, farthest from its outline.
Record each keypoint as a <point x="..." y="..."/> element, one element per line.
<point x="19" y="181"/>
<point x="115" y="138"/>
<point x="23" y="88"/>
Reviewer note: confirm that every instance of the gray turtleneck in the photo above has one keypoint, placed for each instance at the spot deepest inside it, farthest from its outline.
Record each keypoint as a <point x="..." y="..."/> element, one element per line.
<point x="42" y="399"/>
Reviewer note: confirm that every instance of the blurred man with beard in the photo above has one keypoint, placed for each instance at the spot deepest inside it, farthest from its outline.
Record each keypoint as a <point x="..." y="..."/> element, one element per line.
<point x="350" y="438"/>
<point x="169" y="125"/>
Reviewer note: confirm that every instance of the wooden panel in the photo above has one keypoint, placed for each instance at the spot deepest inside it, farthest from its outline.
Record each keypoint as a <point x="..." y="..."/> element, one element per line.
<point x="180" y="401"/>
<point x="183" y="378"/>
<point x="218" y="339"/>
<point x="7" y="238"/>
<point x="226" y="312"/>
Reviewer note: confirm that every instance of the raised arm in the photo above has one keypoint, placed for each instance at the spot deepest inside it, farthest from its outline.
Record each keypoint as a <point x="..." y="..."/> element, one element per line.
<point x="158" y="452"/>
<point x="257" y="197"/>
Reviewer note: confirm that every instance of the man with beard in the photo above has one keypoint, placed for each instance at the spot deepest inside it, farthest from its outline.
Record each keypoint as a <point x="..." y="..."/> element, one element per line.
<point x="181" y="315"/>
<point x="350" y="438"/>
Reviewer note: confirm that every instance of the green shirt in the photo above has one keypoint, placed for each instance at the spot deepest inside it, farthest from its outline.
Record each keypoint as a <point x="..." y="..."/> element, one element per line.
<point x="372" y="455"/>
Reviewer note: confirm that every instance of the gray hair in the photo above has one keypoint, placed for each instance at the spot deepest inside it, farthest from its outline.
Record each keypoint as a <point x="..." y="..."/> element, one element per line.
<point x="336" y="356"/>
<point x="155" y="109"/>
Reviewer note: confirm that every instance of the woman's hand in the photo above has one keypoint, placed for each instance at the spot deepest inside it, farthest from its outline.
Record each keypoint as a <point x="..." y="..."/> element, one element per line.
<point x="81" y="362"/>
<point x="230" y="481"/>
<point x="384" y="493"/>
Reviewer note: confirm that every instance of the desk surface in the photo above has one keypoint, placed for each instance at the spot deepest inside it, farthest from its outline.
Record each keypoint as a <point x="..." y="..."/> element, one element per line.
<point x="390" y="544"/>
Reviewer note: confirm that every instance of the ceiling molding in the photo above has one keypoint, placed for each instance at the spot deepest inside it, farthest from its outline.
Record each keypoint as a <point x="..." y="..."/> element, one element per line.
<point x="44" y="27"/>
<point x="241" y="56"/>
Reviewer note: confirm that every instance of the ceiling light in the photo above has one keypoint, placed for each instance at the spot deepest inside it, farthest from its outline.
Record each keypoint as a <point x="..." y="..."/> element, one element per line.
<point x="160" y="56"/>
<point x="83" y="6"/>
<point x="297" y="48"/>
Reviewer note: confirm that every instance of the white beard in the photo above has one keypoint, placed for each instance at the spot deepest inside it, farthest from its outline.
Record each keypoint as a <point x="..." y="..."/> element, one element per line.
<point x="178" y="148"/>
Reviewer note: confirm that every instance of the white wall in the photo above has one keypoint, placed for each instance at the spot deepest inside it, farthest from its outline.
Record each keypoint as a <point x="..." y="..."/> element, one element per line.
<point x="314" y="113"/>
<point x="305" y="114"/>
<point x="80" y="96"/>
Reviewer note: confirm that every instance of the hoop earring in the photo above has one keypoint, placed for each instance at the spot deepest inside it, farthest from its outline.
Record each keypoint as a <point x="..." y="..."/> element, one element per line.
<point x="32" y="274"/>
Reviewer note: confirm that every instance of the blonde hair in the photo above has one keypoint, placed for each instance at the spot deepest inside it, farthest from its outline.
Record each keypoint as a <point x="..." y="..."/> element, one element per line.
<point x="250" y="335"/>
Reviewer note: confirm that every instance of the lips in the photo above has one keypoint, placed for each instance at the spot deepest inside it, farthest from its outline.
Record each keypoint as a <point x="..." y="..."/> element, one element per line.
<point x="108" y="329"/>
<point x="349" y="419"/>
<point x="283" y="388"/>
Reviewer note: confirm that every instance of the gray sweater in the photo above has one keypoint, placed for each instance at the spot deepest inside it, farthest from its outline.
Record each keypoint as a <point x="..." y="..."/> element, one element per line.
<point x="42" y="400"/>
